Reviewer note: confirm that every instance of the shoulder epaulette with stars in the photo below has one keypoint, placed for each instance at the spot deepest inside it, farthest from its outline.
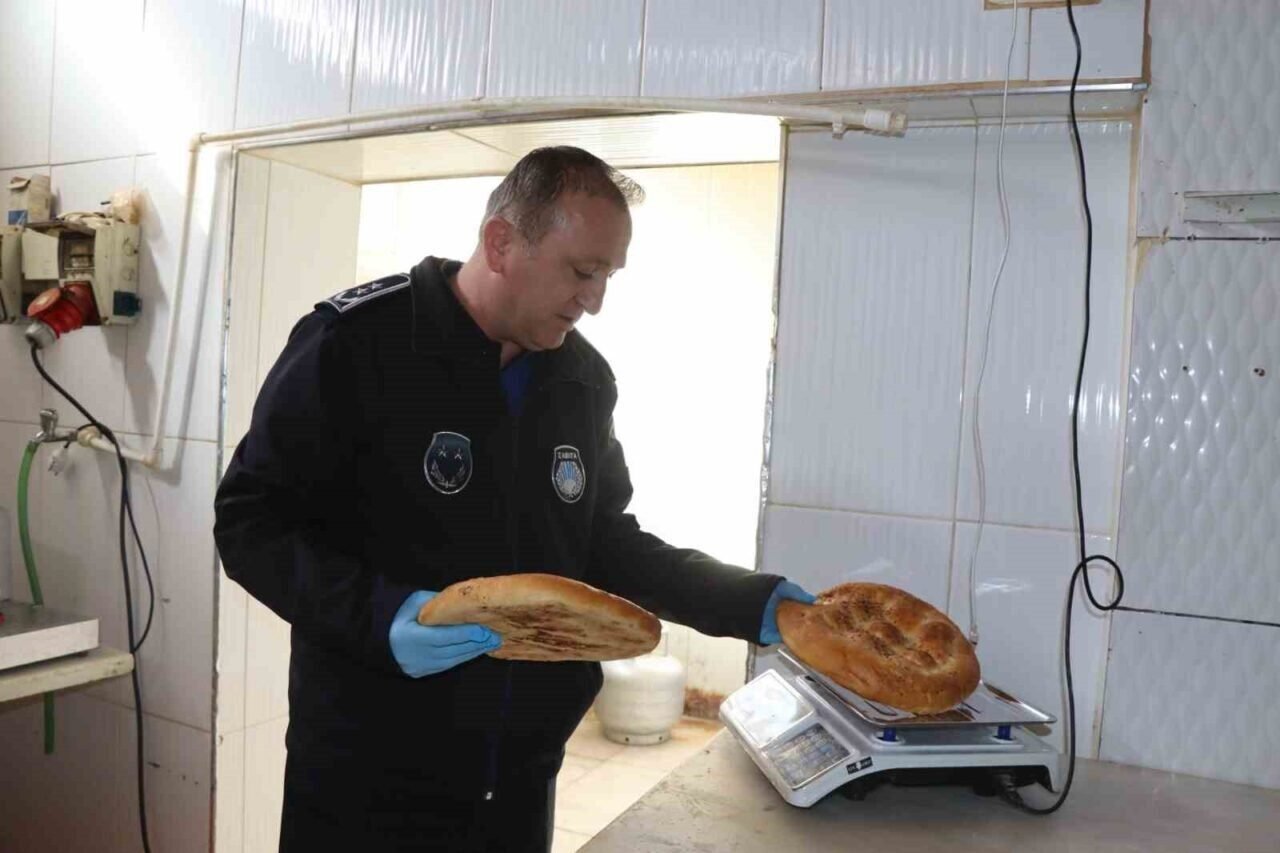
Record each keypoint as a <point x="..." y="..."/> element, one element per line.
<point x="362" y="293"/>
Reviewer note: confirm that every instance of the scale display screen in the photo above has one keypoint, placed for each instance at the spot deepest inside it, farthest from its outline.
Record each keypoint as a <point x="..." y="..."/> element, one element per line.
<point x="766" y="708"/>
<point x="807" y="755"/>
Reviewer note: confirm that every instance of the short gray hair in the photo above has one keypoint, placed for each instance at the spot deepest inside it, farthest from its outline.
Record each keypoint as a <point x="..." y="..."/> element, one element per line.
<point x="528" y="195"/>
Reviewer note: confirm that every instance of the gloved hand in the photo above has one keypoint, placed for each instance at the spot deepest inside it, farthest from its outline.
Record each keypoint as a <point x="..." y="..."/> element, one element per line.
<point x="769" y="628"/>
<point x="427" y="649"/>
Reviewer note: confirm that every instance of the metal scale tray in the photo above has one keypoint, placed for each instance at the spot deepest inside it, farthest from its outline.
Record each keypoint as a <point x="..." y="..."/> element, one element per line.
<point x="986" y="706"/>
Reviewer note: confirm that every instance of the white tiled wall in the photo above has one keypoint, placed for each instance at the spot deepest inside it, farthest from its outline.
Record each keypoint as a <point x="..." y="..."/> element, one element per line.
<point x="888" y="251"/>
<point x="917" y="43"/>
<point x="597" y="48"/>
<point x="84" y="796"/>
<point x="1194" y="696"/>
<point x="419" y="51"/>
<point x="1039" y="314"/>
<point x="875" y="258"/>
<point x="1213" y="114"/>
<point x="721" y="48"/>
<point x="1190" y="685"/>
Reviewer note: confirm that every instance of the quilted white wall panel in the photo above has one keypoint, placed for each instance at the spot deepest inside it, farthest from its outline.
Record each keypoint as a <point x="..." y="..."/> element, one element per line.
<point x="1198" y="531"/>
<point x="873" y="45"/>
<point x="1194" y="696"/>
<point x="722" y="48"/>
<point x="565" y="47"/>
<point x="1022" y="591"/>
<point x="419" y="51"/>
<point x="1212" y="118"/>
<point x="295" y="60"/>
<point x="26" y="81"/>
<point x="1111" y="41"/>
<point x="1035" y="335"/>
<point x="191" y="50"/>
<point x="875" y="256"/>
<point x="821" y="548"/>
<point x="95" y="80"/>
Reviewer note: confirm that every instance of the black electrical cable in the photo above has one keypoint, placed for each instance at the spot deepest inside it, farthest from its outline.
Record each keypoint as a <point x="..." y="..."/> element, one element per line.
<point x="126" y="509"/>
<point x="1009" y="792"/>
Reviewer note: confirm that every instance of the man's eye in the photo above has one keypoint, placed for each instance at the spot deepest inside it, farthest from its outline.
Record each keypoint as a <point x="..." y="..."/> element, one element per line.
<point x="583" y="276"/>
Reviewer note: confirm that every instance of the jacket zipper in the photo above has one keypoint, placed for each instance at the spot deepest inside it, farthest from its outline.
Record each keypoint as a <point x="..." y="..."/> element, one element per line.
<point x="513" y="540"/>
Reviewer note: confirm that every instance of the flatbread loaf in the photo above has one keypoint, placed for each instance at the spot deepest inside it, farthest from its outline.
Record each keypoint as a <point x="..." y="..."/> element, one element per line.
<point x="547" y="618"/>
<point x="884" y="644"/>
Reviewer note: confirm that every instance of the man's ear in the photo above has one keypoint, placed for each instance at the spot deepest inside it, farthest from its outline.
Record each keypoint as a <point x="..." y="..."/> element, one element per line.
<point x="498" y="237"/>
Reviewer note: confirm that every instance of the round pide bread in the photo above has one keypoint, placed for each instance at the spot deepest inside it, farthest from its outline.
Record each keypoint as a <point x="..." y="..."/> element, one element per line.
<point x="547" y="618"/>
<point x="884" y="644"/>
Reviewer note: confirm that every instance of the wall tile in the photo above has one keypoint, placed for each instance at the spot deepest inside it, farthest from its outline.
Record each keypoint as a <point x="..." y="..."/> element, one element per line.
<point x="1034" y="351"/>
<point x="597" y="48"/>
<point x="1112" y="36"/>
<point x="26" y="82"/>
<point x="95" y="80"/>
<point x="1201" y="489"/>
<point x="191" y="53"/>
<point x="723" y="48"/>
<point x="1022" y="584"/>
<point x="1193" y="696"/>
<point x="295" y="60"/>
<point x="872" y="45"/>
<point x="875" y="254"/>
<point x="1212" y="116"/>
<point x="420" y="51"/>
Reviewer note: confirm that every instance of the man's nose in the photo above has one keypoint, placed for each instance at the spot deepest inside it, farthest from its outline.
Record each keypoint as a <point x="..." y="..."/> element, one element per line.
<point x="592" y="296"/>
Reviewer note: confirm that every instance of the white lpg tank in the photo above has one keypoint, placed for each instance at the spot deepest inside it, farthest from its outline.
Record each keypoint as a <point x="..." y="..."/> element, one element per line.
<point x="642" y="698"/>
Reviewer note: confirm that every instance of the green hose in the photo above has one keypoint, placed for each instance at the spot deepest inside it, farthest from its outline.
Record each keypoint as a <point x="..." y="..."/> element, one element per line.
<point x="29" y="557"/>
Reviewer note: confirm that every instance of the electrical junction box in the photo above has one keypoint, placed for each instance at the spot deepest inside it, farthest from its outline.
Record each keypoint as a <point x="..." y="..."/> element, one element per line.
<point x="105" y="256"/>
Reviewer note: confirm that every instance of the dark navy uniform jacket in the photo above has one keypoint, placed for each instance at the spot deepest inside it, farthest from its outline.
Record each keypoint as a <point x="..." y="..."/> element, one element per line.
<point x="382" y="459"/>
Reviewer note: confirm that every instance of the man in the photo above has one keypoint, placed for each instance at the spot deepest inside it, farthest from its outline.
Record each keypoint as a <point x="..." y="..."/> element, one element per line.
<point x="427" y="428"/>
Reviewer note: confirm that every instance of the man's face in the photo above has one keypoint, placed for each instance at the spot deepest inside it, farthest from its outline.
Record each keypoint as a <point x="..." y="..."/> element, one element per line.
<point x="550" y="284"/>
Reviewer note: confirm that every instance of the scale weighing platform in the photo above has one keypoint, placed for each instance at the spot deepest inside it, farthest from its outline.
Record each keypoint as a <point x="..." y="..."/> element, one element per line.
<point x="810" y="736"/>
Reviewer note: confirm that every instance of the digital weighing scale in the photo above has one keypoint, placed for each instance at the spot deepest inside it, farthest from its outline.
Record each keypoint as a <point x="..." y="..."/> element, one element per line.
<point x="810" y="736"/>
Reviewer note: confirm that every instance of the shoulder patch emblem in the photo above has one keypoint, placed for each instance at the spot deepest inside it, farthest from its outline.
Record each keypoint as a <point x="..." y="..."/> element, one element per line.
<point x="568" y="474"/>
<point x="448" y="462"/>
<point x="362" y="293"/>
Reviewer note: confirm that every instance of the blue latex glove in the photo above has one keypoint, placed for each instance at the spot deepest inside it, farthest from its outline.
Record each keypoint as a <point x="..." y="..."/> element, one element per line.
<point x="427" y="649"/>
<point x="769" y="628"/>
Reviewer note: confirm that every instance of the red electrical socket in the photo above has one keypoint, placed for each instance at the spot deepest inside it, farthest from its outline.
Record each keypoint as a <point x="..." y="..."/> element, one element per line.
<point x="66" y="308"/>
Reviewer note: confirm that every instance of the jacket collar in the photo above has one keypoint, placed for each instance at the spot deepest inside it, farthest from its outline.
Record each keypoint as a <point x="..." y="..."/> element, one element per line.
<point x="442" y="326"/>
